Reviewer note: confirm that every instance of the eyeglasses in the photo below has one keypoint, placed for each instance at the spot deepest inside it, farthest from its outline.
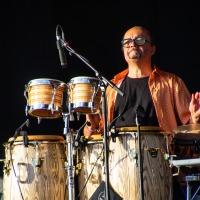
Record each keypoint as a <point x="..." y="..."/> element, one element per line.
<point x="140" y="40"/>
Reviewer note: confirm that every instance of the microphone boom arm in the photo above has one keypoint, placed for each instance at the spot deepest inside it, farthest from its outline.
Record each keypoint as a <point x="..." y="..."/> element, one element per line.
<point x="100" y="76"/>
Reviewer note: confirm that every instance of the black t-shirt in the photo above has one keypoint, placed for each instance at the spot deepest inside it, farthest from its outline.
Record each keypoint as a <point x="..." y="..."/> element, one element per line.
<point x="137" y="93"/>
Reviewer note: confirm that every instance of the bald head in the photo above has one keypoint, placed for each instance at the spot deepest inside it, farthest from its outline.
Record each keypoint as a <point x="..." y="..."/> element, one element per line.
<point x="139" y="30"/>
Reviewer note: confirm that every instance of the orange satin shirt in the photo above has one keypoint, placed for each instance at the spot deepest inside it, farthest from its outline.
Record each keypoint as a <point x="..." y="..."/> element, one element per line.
<point x="170" y="96"/>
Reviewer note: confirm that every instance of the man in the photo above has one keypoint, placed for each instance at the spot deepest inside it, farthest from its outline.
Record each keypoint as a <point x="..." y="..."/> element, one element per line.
<point x="164" y="97"/>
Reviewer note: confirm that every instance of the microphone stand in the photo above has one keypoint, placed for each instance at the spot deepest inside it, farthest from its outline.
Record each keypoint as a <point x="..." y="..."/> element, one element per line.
<point x="103" y="84"/>
<point x="139" y="110"/>
<point x="70" y="166"/>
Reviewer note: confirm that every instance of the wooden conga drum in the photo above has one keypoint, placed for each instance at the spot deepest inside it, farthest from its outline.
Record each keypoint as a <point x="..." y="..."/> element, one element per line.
<point x="36" y="171"/>
<point x="123" y="164"/>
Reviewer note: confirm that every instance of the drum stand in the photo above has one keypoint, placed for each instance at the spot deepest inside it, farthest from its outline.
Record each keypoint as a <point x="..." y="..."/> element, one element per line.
<point x="70" y="167"/>
<point x="189" y="179"/>
<point x="194" y="162"/>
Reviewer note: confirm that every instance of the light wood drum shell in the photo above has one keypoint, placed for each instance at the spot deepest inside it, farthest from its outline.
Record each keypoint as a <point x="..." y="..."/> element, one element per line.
<point x="84" y="95"/>
<point x="38" y="171"/>
<point x="45" y="98"/>
<point x="123" y="166"/>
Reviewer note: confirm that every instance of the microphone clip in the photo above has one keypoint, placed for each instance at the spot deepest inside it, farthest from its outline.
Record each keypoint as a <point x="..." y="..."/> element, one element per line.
<point x="140" y="113"/>
<point x="114" y="133"/>
<point x="19" y="131"/>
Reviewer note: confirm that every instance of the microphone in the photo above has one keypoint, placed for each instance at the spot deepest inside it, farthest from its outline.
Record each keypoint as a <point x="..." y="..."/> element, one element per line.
<point x="59" y="43"/>
<point x="139" y="110"/>
<point x="25" y="138"/>
<point x="18" y="130"/>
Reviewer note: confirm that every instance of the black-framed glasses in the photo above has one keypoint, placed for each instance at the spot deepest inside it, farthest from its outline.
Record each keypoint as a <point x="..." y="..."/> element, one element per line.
<point x="140" y="40"/>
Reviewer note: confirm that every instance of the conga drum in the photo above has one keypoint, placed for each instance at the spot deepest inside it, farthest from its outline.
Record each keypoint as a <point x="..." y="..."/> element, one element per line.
<point x="36" y="171"/>
<point x="123" y="164"/>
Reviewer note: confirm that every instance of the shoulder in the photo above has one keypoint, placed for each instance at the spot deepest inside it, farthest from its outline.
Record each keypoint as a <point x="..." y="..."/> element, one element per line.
<point x="167" y="75"/>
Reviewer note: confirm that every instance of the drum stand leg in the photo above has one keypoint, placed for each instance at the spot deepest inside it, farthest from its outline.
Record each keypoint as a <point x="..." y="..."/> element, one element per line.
<point x="188" y="190"/>
<point x="189" y="179"/>
<point x="70" y="166"/>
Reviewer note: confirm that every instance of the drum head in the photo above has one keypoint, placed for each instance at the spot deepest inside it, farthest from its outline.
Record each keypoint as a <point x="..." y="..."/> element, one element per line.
<point x="83" y="79"/>
<point x="150" y="129"/>
<point x="39" y="138"/>
<point x="189" y="132"/>
<point x="46" y="81"/>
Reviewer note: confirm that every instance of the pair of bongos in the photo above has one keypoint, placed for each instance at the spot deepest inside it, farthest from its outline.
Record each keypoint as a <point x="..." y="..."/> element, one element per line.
<point x="49" y="98"/>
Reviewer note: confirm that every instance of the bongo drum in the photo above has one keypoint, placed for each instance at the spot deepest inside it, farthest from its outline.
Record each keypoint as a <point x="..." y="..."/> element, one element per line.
<point x="84" y="95"/>
<point x="123" y="164"/>
<point x="45" y="98"/>
<point x="37" y="171"/>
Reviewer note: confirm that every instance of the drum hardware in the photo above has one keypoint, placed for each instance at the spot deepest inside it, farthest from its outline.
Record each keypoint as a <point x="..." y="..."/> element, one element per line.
<point x="117" y="132"/>
<point x="194" y="162"/>
<point x="79" y="166"/>
<point x="153" y="152"/>
<point x="37" y="161"/>
<point x="6" y="166"/>
<point x="51" y="106"/>
<point x="21" y="165"/>
<point x="133" y="154"/>
<point x="113" y="133"/>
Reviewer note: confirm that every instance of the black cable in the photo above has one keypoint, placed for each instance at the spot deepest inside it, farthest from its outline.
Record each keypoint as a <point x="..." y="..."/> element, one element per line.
<point x="15" y="171"/>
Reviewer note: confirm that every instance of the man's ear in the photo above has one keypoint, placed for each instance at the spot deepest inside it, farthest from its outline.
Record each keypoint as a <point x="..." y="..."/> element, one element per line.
<point x="153" y="50"/>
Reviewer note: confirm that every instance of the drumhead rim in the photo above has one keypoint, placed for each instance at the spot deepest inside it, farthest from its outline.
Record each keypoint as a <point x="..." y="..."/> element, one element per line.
<point x="39" y="138"/>
<point x="142" y="128"/>
<point x="40" y="81"/>
<point x="80" y="79"/>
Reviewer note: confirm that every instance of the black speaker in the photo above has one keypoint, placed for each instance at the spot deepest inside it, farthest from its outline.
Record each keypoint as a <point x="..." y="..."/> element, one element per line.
<point x="99" y="194"/>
